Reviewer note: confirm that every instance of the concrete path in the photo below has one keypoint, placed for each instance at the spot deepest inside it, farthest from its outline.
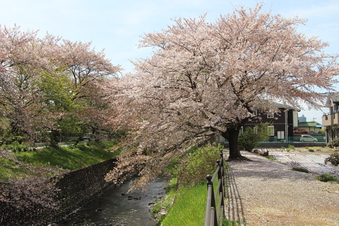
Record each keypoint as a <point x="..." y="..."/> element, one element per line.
<point x="265" y="192"/>
<point x="314" y="163"/>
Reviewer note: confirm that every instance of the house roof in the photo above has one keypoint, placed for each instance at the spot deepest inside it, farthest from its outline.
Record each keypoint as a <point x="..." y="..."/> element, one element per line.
<point x="282" y="106"/>
<point x="278" y="105"/>
<point x="309" y="124"/>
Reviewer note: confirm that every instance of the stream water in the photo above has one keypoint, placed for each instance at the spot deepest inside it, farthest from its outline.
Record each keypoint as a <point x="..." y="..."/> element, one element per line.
<point x="116" y="207"/>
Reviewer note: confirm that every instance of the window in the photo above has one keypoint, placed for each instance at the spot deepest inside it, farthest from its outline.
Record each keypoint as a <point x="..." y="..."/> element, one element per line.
<point x="281" y="135"/>
<point x="270" y="115"/>
<point x="270" y="130"/>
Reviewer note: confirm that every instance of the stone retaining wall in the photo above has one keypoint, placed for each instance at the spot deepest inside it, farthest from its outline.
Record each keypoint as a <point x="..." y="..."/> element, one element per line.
<point x="75" y="189"/>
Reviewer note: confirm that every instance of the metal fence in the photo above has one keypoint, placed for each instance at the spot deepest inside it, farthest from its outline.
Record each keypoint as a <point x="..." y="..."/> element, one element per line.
<point x="215" y="213"/>
<point x="293" y="140"/>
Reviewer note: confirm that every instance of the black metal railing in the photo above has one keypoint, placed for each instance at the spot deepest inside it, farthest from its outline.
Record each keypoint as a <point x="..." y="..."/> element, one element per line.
<point x="215" y="213"/>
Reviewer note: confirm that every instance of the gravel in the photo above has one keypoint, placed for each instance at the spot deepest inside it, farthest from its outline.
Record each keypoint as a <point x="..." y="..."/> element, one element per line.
<point x="266" y="192"/>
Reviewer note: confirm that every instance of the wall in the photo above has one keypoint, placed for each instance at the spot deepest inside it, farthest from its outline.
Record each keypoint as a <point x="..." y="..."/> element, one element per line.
<point x="75" y="189"/>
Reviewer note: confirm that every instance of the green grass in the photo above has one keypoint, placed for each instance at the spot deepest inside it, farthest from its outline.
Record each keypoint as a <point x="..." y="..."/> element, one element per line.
<point x="328" y="178"/>
<point x="300" y="169"/>
<point x="68" y="158"/>
<point x="185" y="202"/>
<point x="10" y="169"/>
<point x="270" y="158"/>
<point x="189" y="207"/>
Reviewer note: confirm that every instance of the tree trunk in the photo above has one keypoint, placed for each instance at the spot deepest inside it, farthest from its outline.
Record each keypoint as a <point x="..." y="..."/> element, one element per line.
<point x="232" y="134"/>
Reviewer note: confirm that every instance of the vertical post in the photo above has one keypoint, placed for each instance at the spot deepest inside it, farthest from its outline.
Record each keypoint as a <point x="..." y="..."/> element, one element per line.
<point x="286" y="125"/>
<point x="222" y="172"/>
<point x="214" y="215"/>
<point x="222" y="189"/>
<point x="209" y="200"/>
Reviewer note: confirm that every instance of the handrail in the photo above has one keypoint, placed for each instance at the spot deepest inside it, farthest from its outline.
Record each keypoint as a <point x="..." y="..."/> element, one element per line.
<point x="214" y="216"/>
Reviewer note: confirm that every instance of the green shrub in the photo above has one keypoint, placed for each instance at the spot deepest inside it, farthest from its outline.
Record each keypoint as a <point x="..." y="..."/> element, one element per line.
<point x="270" y="158"/>
<point x="333" y="159"/>
<point x="291" y="147"/>
<point x="251" y="137"/>
<point x="17" y="146"/>
<point x="327" y="177"/>
<point x="197" y="165"/>
<point x="300" y="169"/>
<point x="173" y="167"/>
<point x="333" y="143"/>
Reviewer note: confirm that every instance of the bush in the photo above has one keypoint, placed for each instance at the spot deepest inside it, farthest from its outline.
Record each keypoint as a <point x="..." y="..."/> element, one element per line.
<point x="16" y="146"/>
<point x="333" y="143"/>
<point x="251" y="138"/>
<point x="300" y="169"/>
<point x="327" y="177"/>
<point x="201" y="162"/>
<point x="333" y="159"/>
<point x="291" y="147"/>
<point x="301" y="131"/>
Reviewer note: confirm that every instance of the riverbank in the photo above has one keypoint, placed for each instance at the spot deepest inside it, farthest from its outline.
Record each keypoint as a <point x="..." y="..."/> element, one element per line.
<point x="46" y="194"/>
<point x="53" y="160"/>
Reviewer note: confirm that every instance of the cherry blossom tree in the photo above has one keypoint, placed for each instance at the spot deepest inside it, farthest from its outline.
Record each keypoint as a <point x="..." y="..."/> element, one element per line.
<point x="18" y="68"/>
<point x="208" y="78"/>
<point x="87" y="72"/>
<point x="44" y="81"/>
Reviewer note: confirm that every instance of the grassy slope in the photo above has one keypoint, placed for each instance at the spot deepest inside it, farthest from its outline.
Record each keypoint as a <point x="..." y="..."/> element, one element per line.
<point x="189" y="207"/>
<point x="68" y="158"/>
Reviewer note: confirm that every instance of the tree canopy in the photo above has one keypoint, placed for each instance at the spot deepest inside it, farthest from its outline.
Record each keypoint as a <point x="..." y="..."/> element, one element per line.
<point x="47" y="81"/>
<point x="208" y="78"/>
<point x="203" y="79"/>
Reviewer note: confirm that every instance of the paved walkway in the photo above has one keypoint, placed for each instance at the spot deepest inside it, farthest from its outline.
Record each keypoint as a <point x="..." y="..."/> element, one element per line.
<point x="264" y="192"/>
<point x="314" y="163"/>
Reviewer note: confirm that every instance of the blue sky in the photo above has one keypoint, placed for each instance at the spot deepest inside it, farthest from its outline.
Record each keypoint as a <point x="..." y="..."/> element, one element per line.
<point x="117" y="26"/>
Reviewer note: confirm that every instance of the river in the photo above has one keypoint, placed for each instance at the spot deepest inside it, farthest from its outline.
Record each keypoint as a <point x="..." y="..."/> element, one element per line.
<point x="115" y="207"/>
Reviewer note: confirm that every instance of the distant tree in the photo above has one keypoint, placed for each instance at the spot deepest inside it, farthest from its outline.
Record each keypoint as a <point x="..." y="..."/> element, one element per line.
<point x="207" y="78"/>
<point x="45" y="81"/>
<point x="86" y="73"/>
<point x="19" y="97"/>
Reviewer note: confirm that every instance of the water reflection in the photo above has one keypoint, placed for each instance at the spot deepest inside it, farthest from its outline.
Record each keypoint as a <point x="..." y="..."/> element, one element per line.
<point x="115" y="207"/>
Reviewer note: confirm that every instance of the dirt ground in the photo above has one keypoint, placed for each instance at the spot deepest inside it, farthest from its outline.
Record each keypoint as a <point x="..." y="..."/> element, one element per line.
<point x="266" y="192"/>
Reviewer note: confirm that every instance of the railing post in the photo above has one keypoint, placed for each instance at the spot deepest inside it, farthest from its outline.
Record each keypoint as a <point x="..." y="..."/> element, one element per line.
<point x="214" y="215"/>
<point x="221" y="175"/>
<point x="209" y="200"/>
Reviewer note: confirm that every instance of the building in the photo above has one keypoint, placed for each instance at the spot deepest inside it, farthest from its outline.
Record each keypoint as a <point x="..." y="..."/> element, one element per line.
<point x="331" y="120"/>
<point x="282" y="123"/>
<point x="312" y="127"/>
<point x="302" y="119"/>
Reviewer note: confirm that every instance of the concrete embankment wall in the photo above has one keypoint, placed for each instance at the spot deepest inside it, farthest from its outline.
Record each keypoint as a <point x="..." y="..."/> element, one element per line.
<point x="74" y="189"/>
